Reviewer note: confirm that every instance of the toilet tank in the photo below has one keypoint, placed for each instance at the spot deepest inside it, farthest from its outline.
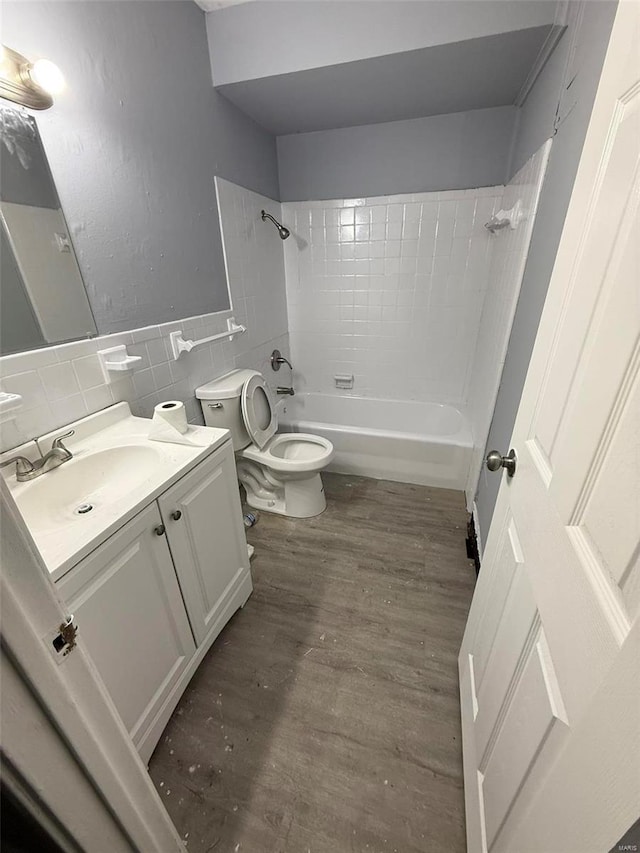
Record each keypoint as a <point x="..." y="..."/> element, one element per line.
<point x="221" y="405"/>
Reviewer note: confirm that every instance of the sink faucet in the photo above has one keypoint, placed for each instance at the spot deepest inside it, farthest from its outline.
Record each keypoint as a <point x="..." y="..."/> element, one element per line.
<point x="27" y="470"/>
<point x="283" y="390"/>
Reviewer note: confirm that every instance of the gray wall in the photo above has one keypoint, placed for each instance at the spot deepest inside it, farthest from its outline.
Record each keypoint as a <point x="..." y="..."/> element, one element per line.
<point x="261" y="39"/>
<point x="134" y="144"/>
<point x="446" y="152"/>
<point x="554" y="91"/>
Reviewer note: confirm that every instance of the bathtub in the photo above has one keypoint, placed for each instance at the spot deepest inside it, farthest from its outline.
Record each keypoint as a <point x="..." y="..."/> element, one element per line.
<point x="410" y="442"/>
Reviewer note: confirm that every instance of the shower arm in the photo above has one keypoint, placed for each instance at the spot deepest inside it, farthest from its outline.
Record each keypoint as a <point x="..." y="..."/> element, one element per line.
<point x="282" y="231"/>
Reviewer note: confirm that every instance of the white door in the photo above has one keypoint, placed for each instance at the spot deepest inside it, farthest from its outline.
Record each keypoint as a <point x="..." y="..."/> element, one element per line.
<point x="64" y="746"/>
<point x="203" y="516"/>
<point x="127" y="604"/>
<point x="45" y="776"/>
<point x="550" y="661"/>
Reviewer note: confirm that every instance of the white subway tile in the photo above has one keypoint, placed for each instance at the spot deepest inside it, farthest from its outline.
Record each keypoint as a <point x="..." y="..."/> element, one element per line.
<point x="395" y="213"/>
<point x="88" y="371"/>
<point x="59" y="380"/>
<point x="35" y="422"/>
<point x="97" y="398"/>
<point x="145" y="334"/>
<point x="77" y="349"/>
<point x="22" y="362"/>
<point x="143" y="382"/>
<point x="28" y="385"/>
<point x="394" y="230"/>
<point x="157" y="351"/>
<point x="68" y="409"/>
<point x="410" y="229"/>
<point x="384" y="310"/>
<point x="162" y="376"/>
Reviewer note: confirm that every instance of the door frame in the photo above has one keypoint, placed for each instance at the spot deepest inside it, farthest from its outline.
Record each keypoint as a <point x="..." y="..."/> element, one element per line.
<point x="73" y="698"/>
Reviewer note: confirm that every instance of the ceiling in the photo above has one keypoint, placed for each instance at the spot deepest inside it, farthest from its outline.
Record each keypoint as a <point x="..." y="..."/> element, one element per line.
<point x="214" y="5"/>
<point x="472" y="74"/>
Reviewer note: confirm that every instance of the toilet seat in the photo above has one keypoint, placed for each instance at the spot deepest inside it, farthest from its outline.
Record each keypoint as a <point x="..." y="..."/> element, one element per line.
<point x="258" y="412"/>
<point x="292" y="452"/>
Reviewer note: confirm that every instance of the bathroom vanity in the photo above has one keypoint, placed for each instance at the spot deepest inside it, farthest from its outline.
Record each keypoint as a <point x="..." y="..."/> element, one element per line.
<point x="145" y="543"/>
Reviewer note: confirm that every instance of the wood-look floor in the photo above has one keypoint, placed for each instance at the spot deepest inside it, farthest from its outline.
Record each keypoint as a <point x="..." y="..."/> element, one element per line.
<point x="326" y="717"/>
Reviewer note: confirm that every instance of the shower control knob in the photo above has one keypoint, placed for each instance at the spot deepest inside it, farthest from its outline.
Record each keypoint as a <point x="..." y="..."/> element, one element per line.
<point x="495" y="461"/>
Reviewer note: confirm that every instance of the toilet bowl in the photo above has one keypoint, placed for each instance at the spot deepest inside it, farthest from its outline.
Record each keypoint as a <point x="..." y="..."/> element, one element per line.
<point x="280" y="472"/>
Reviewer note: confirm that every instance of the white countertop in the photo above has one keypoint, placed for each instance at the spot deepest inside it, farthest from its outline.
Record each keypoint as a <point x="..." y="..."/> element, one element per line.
<point x="64" y="544"/>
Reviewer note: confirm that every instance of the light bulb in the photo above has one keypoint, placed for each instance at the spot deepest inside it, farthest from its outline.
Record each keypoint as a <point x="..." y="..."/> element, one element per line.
<point x="47" y="76"/>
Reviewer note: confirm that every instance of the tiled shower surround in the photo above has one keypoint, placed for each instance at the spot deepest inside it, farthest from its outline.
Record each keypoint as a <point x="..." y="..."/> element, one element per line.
<point x="389" y="290"/>
<point x="60" y="384"/>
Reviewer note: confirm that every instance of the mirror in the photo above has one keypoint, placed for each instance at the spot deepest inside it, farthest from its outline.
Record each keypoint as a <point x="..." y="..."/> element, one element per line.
<point x="140" y="207"/>
<point x="43" y="300"/>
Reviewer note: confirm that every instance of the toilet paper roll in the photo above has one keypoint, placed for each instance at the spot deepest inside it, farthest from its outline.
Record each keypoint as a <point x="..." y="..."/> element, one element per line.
<point x="173" y="413"/>
<point x="169" y="423"/>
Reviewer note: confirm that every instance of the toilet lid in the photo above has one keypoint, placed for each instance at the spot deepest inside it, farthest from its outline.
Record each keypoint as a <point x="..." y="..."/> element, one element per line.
<point x="258" y="412"/>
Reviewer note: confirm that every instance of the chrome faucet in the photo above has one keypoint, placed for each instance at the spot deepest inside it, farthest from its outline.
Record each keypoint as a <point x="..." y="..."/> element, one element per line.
<point x="283" y="390"/>
<point x="27" y="470"/>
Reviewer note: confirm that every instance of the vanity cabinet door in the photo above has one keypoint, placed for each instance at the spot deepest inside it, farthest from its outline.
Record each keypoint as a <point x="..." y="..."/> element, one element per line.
<point x="203" y="516"/>
<point x="127" y="604"/>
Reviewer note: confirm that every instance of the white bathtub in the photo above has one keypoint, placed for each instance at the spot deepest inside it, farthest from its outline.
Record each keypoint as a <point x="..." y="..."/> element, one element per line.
<point x="409" y="442"/>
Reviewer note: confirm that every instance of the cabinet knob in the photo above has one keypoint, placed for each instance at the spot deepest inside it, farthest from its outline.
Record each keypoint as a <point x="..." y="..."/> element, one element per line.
<point x="176" y="515"/>
<point x="159" y="530"/>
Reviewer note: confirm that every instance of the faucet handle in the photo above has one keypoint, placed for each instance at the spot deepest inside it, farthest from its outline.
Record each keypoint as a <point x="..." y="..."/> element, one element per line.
<point x="57" y="442"/>
<point x="23" y="465"/>
<point x="277" y="359"/>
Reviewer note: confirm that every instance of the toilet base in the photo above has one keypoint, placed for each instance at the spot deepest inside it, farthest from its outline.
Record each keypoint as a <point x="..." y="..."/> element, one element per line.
<point x="293" y="498"/>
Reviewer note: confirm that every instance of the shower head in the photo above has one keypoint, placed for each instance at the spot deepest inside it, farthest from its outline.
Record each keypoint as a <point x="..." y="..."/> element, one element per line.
<point x="282" y="231"/>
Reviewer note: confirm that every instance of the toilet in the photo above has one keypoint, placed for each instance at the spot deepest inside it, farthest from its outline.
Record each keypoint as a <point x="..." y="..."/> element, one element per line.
<point x="281" y="473"/>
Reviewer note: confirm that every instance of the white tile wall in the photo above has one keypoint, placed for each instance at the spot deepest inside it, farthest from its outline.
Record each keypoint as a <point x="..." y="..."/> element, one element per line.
<point x="63" y="383"/>
<point x="509" y="254"/>
<point x="255" y="269"/>
<point x="389" y="289"/>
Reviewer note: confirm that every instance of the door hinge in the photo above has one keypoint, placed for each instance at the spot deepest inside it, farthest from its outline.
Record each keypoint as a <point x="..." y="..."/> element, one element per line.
<point x="62" y="639"/>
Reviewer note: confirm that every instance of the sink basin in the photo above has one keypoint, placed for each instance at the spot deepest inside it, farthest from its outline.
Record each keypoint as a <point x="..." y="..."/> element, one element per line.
<point x="80" y="488"/>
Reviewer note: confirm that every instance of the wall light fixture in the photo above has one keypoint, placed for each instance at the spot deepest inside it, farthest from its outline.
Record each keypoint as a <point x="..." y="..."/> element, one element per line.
<point x="31" y="84"/>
